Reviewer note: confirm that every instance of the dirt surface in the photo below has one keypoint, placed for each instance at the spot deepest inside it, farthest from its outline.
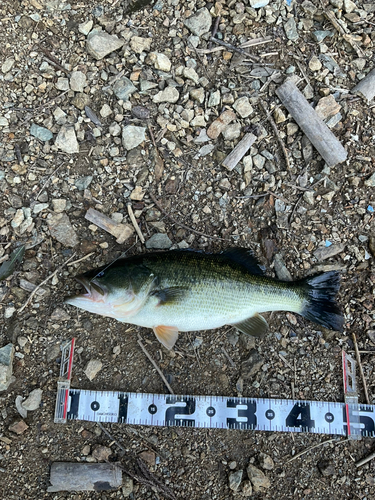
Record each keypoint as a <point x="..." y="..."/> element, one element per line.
<point x="303" y="216"/>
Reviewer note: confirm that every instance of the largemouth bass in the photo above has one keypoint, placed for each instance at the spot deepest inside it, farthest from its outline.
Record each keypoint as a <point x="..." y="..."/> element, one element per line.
<point x="185" y="290"/>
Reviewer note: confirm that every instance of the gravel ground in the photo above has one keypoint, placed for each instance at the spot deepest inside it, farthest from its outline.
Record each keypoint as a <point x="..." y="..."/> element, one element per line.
<point x="108" y="105"/>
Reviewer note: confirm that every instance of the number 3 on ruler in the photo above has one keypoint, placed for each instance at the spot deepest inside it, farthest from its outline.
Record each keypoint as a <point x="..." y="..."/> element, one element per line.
<point x="299" y="416"/>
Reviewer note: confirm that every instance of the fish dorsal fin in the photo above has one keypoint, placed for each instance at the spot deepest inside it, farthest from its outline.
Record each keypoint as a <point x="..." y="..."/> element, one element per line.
<point x="170" y="295"/>
<point x="255" y="326"/>
<point x="244" y="257"/>
<point x="167" y="335"/>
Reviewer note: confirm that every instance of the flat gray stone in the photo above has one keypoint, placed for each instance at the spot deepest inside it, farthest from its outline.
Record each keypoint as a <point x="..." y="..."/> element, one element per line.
<point x="78" y="81"/>
<point x="7" y="65"/>
<point x="235" y="479"/>
<point x="93" y="367"/>
<point x="85" y="27"/>
<point x="123" y="88"/>
<point x="170" y="94"/>
<point x="83" y="182"/>
<point x="33" y="401"/>
<point x="291" y="29"/>
<point x="133" y="136"/>
<point x="259" y="480"/>
<point x="6" y="366"/>
<point x="61" y="229"/>
<point x="258" y="4"/>
<point x="159" y="241"/>
<point x="41" y="133"/>
<point x="243" y="107"/>
<point x="159" y="61"/>
<point x="100" y="44"/>
<point x="323" y="253"/>
<point x="200" y="22"/>
<point x="66" y="140"/>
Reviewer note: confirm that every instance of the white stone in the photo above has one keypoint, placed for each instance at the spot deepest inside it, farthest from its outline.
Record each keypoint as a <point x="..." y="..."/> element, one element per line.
<point x="18" y="218"/>
<point x="140" y="45"/>
<point x="132" y="136"/>
<point x="200" y="22"/>
<point x="33" y="401"/>
<point x="170" y="94"/>
<point x="243" y="107"/>
<point x="93" y="367"/>
<point x="85" y="27"/>
<point x="105" y="111"/>
<point x="159" y="61"/>
<point x="60" y="116"/>
<point x="7" y="65"/>
<point x="66" y="140"/>
<point x="77" y="81"/>
<point x="62" y="84"/>
<point x="100" y="44"/>
<point x="59" y="205"/>
<point x="191" y="74"/>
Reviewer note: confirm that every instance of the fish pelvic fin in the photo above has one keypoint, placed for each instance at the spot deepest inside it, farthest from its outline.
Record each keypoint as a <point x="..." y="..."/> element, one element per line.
<point x="167" y="335"/>
<point x="256" y="326"/>
<point x="320" y="300"/>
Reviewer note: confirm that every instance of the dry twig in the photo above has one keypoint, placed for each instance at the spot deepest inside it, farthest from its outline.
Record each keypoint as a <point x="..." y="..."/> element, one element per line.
<point x="315" y="446"/>
<point x="44" y="282"/>
<point x="81" y="259"/>
<point x="155" y="365"/>
<point x="364" y="461"/>
<point x="135" y="223"/>
<point x="273" y="125"/>
<point x="360" y="368"/>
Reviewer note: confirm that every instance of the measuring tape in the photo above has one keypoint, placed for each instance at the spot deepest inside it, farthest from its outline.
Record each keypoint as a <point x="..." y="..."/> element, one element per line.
<point x="349" y="419"/>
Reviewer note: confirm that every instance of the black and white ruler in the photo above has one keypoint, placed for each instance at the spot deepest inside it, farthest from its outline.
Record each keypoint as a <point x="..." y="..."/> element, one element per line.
<point x="217" y="412"/>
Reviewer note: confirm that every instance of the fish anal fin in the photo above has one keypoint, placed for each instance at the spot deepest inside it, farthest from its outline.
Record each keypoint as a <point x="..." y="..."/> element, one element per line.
<point x="245" y="258"/>
<point x="255" y="326"/>
<point x="170" y="295"/>
<point x="167" y="335"/>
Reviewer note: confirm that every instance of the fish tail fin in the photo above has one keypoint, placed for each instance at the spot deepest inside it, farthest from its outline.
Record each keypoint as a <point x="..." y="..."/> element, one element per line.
<point x="320" y="305"/>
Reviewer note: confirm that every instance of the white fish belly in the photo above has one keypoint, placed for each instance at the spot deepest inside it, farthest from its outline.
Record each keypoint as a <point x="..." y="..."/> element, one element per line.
<point x="208" y="310"/>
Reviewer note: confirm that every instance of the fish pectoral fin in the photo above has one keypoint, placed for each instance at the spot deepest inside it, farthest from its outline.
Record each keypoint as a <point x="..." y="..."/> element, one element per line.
<point x="256" y="326"/>
<point x="167" y="335"/>
<point x="170" y="295"/>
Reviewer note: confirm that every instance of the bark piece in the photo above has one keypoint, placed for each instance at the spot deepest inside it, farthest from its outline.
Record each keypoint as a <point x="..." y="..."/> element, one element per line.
<point x="316" y="130"/>
<point x="71" y="476"/>
<point x="239" y="151"/>
<point x="366" y="87"/>
<point x="120" y="231"/>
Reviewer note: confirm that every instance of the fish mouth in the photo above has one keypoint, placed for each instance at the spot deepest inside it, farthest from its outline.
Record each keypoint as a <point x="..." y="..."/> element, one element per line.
<point x="94" y="292"/>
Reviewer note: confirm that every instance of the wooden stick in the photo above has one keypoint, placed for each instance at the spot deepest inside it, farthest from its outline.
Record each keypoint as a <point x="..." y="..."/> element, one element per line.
<point x="120" y="231"/>
<point x="73" y="476"/>
<point x="134" y="222"/>
<point x="312" y="125"/>
<point x="256" y="41"/>
<point x="81" y="259"/>
<point x="44" y="282"/>
<point x="155" y="365"/>
<point x="180" y="223"/>
<point x="229" y="46"/>
<point x="366" y="87"/>
<point x="274" y="126"/>
<point x="239" y="151"/>
<point x="360" y="368"/>
<point x="315" y="446"/>
<point x="364" y="461"/>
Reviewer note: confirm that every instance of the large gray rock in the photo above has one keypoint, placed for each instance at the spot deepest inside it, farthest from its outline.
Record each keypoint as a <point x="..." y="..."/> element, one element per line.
<point x="66" y="140"/>
<point x="200" y="22"/>
<point x="6" y="366"/>
<point x="123" y="88"/>
<point x="100" y="44"/>
<point x="61" y="229"/>
<point x="132" y="136"/>
<point x="159" y="241"/>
